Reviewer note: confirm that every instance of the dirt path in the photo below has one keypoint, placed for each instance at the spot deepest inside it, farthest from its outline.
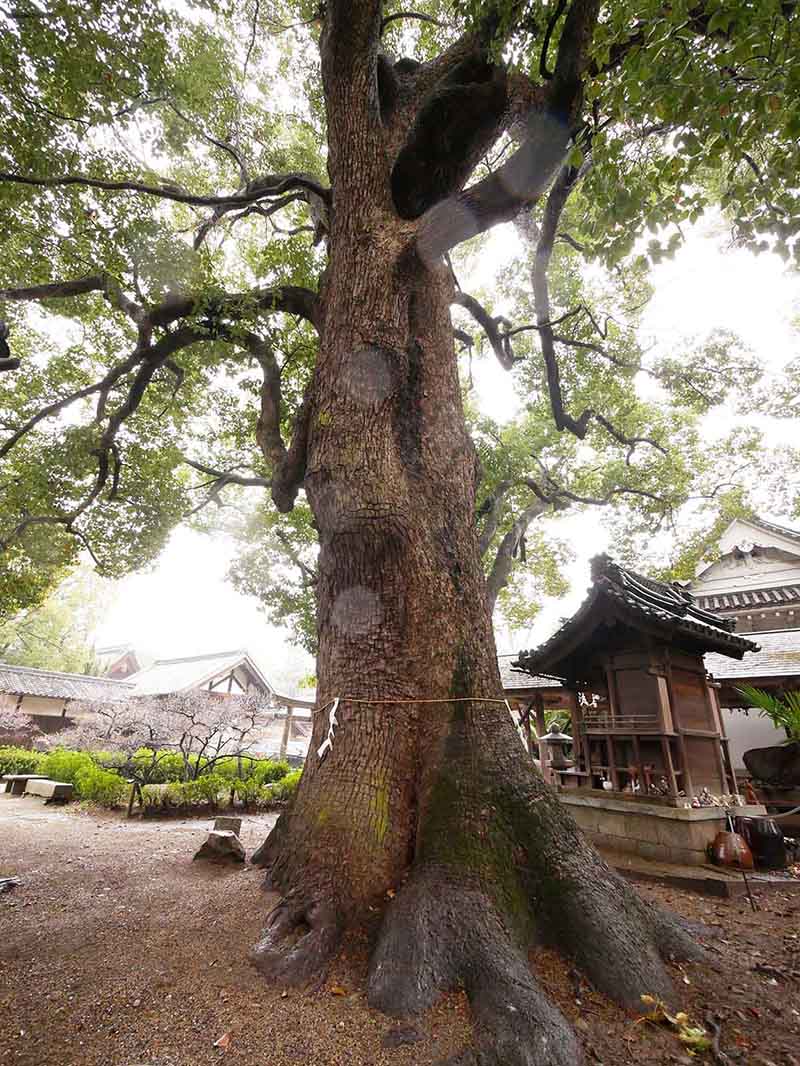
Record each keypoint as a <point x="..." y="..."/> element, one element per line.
<point x="119" y="950"/>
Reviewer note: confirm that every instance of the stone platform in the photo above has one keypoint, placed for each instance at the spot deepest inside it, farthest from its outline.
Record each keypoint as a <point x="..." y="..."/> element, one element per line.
<point x="652" y="831"/>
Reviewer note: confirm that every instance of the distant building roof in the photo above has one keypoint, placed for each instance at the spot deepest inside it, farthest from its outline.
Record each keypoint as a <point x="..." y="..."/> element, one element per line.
<point x="518" y="680"/>
<point x="179" y="675"/>
<point x="778" y="656"/>
<point x="621" y="596"/>
<point x="53" y="684"/>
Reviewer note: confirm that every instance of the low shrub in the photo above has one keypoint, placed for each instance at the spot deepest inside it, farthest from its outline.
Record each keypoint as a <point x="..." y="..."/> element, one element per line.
<point x="167" y="766"/>
<point x="285" y="788"/>
<point x="269" y="771"/>
<point x="14" y="760"/>
<point x="99" y="786"/>
<point x="63" y="765"/>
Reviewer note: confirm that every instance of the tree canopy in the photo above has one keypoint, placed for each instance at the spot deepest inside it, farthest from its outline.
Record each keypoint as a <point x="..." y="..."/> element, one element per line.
<point x="164" y="196"/>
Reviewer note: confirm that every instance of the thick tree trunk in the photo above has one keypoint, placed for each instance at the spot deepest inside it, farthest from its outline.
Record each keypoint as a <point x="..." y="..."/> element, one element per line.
<point x="427" y="789"/>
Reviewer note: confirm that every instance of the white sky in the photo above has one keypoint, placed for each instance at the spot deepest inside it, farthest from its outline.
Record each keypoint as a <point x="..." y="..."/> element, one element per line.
<point x="184" y="606"/>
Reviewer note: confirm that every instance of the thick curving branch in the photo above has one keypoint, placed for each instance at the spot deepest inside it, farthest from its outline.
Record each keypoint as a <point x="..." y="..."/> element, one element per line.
<point x="500" y="341"/>
<point x="491" y="511"/>
<point x="289" y="299"/>
<point x="397" y="16"/>
<point x="547" y="135"/>
<point x="508" y="548"/>
<point x="567" y="180"/>
<point x="258" y="189"/>
<point x="60" y="290"/>
<point x="288" y="465"/>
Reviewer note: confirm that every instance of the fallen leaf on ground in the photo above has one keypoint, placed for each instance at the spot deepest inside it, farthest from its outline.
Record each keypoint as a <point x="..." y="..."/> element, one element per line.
<point x="337" y="990"/>
<point x="224" y="1042"/>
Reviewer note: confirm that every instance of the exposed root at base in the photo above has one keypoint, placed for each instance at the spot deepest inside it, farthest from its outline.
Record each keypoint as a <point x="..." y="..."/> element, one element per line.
<point x="299" y="940"/>
<point x="439" y="936"/>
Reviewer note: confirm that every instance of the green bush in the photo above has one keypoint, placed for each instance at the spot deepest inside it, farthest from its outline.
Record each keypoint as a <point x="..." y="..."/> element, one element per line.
<point x="14" y="760"/>
<point x="168" y="766"/>
<point x="63" y="765"/>
<point x="153" y="796"/>
<point x="103" y="787"/>
<point x="269" y="771"/>
<point x="285" y="788"/>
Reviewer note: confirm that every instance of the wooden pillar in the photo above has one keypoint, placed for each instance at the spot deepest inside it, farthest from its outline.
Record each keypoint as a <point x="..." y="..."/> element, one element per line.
<point x="637" y="754"/>
<point x="541" y="729"/>
<point x="525" y="722"/>
<point x="726" y="754"/>
<point x="686" y="779"/>
<point x="612" y="765"/>
<point x="666" y="752"/>
<point x="287" y="730"/>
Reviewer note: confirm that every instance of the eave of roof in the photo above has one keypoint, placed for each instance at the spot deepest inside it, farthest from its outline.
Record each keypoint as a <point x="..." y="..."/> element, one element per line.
<point x="622" y="595"/>
<point x="56" y="684"/>
<point x="783" y="531"/>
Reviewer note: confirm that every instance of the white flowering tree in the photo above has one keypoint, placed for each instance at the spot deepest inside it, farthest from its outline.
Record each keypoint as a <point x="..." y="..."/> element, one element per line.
<point x="202" y="727"/>
<point x="16" y="727"/>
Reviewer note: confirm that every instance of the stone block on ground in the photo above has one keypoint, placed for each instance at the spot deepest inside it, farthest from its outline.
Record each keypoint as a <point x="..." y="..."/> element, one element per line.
<point x="226" y="822"/>
<point x="222" y="845"/>
<point x="50" y="791"/>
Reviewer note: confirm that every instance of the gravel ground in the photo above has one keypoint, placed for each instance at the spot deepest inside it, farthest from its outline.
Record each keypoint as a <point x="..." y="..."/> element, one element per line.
<point x="118" y="950"/>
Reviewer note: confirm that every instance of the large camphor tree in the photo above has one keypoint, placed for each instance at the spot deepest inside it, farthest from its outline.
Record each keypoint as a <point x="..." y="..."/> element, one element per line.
<point x="588" y="123"/>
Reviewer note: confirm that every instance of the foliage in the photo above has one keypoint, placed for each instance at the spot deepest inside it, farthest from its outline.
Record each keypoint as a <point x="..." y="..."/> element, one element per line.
<point x="14" y="760"/>
<point x="64" y="765"/>
<point x="783" y="711"/>
<point x="268" y="772"/>
<point x="694" y="1037"/>
<point x="103" y="787"/>
<point x="57" y="635"/>
<point x="285" y="789"/>
<point x="683" y="109"/>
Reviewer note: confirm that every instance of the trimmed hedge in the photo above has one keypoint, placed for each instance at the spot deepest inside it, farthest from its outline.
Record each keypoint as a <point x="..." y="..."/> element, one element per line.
<point x="15" y="760"/>
<point x="99" y="776"/>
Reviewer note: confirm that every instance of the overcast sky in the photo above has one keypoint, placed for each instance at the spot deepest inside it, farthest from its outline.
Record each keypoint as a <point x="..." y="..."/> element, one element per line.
<point x="184" y="606"/>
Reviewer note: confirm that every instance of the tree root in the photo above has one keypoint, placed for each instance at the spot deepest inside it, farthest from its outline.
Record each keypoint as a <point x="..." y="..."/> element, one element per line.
<point x="299" y="940"/>
<point x="439" y="936"/>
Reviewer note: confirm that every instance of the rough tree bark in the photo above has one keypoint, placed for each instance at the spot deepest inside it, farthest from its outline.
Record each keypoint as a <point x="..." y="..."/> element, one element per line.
<point x="427" y="789"/>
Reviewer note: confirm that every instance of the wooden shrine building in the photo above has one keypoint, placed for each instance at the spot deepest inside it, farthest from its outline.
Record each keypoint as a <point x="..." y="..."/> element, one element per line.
<point x="646" y="721"/>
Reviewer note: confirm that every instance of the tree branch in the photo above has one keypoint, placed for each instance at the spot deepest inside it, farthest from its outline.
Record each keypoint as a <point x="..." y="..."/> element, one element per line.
<point x="523" y="179"/>
<point x="288" y="465"/>
<point x="258" y="189"/>
<point x="500" y="342"/>
<point x="58" y="290"/>
<point x="148" y="362"/>
<point x="579" y="426"/>
<point x="387" y="20"/>
<point x="492" y="508"/>
<point x="504" y="559"/>
<point x="288" y="299"/>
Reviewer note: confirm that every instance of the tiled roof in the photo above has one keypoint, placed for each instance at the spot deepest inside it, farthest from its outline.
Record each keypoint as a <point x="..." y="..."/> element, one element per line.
<point x="514" y="679"/>
<point x="779" y="656"/>
<point x="178" y="675"/>
<point x="727" y="601"/>
<point x="25" y="681"/>
<point x="635" y="600"/>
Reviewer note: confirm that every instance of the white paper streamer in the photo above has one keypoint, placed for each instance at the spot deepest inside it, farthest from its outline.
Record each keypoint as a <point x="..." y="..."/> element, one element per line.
<point x="327" y="743"/>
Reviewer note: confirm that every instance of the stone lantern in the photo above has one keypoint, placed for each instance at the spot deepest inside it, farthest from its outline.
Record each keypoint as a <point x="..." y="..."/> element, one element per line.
<point x="556" y="742"/>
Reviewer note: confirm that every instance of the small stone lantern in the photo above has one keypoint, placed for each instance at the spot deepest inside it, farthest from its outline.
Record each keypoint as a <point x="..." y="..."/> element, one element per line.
<point x="555" y="741"/>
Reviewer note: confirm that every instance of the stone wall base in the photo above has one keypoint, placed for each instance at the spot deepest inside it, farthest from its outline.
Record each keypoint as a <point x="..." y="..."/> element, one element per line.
<point x="661" y="834"/>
